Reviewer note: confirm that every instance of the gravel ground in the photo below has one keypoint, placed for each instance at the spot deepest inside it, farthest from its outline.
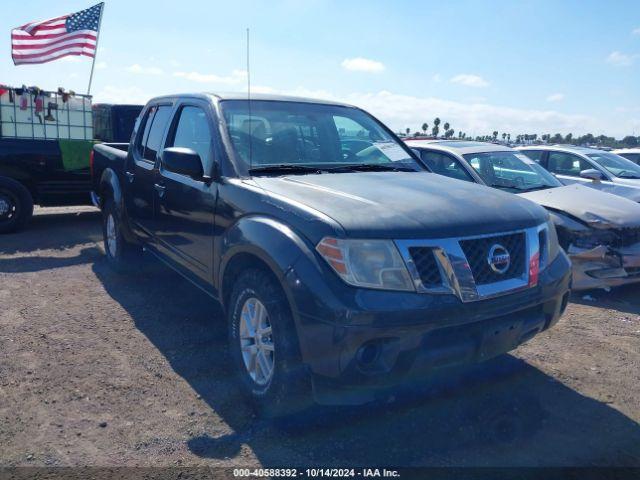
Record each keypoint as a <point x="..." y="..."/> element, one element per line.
<point x="104" y="370"/>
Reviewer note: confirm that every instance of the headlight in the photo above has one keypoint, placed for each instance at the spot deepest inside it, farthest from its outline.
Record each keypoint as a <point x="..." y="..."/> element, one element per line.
<point x="366" y="263"/>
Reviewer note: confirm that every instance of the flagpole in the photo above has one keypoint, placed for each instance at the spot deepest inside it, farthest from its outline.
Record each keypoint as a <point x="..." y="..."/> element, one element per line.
<point x="93" y="63"/>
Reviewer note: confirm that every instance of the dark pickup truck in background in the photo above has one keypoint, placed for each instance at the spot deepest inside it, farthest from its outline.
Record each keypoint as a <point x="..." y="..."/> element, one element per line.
<point x="53" y="170"/>
<point x="343" y="266"/>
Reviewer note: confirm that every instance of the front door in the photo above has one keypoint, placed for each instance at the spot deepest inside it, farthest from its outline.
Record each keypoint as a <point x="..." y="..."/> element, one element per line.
<point x="186" y="206"/>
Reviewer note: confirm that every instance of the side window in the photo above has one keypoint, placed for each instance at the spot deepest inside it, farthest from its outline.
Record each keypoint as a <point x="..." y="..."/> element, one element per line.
<point x="192" y="131"/>
<point x="156" y="132"/>
<point x="443" y="164"/>
<point x="535" y="155"/>
<point x="567" y="164"/>
<point x="143" y="130"/>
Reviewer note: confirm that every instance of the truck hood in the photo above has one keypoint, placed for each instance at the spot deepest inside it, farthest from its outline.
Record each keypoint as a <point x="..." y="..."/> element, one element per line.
<point x="405" y="204"/>
<point x="593" y="207"/>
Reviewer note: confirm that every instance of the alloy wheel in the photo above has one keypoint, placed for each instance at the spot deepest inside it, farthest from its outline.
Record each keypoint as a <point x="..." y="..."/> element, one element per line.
<point x="256" y="341"/>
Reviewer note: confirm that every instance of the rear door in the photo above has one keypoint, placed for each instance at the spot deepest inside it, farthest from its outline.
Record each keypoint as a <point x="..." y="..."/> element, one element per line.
<point x="186" y="206"/>
<point x="140" y="169"/>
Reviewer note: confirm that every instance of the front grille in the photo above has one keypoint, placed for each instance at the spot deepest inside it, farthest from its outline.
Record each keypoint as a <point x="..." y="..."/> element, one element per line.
<point x="427" y="266"/>
<point x="477" y="251"/>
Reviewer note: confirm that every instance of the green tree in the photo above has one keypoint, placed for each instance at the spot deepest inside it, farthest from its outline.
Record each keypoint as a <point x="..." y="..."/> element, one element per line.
<point x="630" y="141"/>
<point x="495" y="134"/>
<point x="425" y="127"/>
<point x="408" y="130"/>
<point x="436" y="127"/>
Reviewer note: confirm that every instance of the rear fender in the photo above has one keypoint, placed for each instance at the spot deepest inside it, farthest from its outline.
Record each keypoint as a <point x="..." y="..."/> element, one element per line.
<point x="110" y="188"/>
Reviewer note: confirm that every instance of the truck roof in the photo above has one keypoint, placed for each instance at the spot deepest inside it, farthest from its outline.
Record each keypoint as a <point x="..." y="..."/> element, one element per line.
<point x="254" y="96"/>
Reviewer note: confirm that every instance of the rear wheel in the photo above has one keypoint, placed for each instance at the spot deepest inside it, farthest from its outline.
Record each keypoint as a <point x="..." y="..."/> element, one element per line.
<point x="122" y="256"/>
<point x="264" y="345"/>
<point x="16" y="205"/>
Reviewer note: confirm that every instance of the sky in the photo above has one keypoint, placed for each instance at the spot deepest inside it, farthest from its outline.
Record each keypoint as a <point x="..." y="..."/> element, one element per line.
<point x="543" y="66"/>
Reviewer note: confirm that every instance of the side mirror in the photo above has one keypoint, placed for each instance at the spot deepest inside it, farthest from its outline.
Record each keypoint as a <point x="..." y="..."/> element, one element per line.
<point x="183" y="161"/>
<point x="592" y="174"/>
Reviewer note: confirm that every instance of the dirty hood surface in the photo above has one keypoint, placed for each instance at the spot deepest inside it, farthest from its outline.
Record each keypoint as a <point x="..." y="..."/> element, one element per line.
<point x="596" y="208"/>
<point x="405" y="204"/>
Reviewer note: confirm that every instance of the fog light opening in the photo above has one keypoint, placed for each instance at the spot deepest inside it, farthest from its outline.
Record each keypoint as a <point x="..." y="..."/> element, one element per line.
<point x="368" y="355"/>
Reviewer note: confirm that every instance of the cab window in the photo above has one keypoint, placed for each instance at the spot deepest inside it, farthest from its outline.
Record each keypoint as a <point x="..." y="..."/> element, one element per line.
<point x="156" y="132"/>
<point x="192" y="131"/>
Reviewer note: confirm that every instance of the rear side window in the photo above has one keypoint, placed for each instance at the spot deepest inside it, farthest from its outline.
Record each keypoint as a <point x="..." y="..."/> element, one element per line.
<point x="634" y="157"/>
<point x="567" y="164"/>
<point x="443" y="164"/>
<point x="535" y="155"/>
<point x="156" y="132"/>
<point x="192" y="131"/>
<point x="143" y="132"/>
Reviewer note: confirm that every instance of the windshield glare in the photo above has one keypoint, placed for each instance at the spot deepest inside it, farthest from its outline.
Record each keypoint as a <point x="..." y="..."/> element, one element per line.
<point x="308" y="134"/>
<point x="616" y="165"/>
<point x="511" y="171"/>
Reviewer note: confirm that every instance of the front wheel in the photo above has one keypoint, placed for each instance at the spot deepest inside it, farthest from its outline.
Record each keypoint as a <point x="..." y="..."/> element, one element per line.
<point x="264" y="345"/>
<point x="122" y="256"/>
<point x="16" y="205"/>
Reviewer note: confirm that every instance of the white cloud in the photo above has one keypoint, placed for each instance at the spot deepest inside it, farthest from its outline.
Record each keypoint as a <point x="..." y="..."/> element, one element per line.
<point x="139" y="69"/>
<point x="555" y="97"/>
<point x="101" y="65"/>
<point x="620" y="59"/>
<point x="236" y="77"/>
<point x="636" y="31"/>
<point x="116" y="94"/>
<point x="470" y="80"/>
<point x="359" y="64"/>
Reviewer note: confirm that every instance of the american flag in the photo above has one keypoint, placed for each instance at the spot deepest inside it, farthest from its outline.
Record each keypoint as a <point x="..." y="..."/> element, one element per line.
<point x="72" y="34"/>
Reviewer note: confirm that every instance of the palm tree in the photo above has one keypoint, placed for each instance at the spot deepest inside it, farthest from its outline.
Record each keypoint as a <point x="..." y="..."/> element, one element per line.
<point x="408" y="130"/>
<point x="504" y="136"/>
<point x="508" y="137"/>
<point x="495" y="134"/>
<point x="446" y="126"/>
<point x="425" y="127"/>
<point x="436" y="128"/>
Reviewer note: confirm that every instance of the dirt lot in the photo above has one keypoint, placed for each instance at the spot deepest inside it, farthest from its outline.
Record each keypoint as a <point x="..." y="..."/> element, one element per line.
<point x="98" y="369"/>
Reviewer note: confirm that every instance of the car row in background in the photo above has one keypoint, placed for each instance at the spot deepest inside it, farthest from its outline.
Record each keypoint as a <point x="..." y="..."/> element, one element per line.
<point x="599" y="231"/>
<point x="595" y="168"/>
<point x="632" y="154"/>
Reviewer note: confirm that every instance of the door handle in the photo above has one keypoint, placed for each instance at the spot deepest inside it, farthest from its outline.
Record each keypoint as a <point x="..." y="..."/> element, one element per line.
<point x="130" y="176"/>
<point x="160" y="189"/>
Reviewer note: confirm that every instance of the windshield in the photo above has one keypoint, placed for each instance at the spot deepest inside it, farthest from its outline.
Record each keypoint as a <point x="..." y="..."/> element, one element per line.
<point x="616" y="165"/>
<point x="511" y="171"/>
<point x="301" y="137"/>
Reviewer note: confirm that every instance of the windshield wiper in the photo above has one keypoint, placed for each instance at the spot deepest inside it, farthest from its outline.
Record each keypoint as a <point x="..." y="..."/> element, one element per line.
<point x="369" y="167"/>
<point x="531" y="189"/>
<point x="626" y="174"/>
<point x="284" y="169"/>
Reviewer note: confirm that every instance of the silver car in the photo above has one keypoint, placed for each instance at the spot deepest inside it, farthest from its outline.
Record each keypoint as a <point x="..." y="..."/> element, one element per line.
<point x="599" y="231"/>
<point x="632" y="154"/>
<point x="595" y="168"/>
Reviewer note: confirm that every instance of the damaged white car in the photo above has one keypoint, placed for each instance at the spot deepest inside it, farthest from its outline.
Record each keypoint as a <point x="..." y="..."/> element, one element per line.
<point x="599" y="231"/>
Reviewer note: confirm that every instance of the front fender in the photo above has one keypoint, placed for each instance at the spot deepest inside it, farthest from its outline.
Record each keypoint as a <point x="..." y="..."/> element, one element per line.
<point x="268" y="239"/>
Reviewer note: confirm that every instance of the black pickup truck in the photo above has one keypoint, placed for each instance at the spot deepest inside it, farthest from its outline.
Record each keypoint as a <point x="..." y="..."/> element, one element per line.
<point x="55" y="172"/>
<point x="343" y="265"/>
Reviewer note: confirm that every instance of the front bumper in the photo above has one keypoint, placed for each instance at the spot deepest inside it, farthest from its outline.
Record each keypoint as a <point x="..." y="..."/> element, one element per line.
<point x="604" y="267"/>
<point x="356" y="342"/>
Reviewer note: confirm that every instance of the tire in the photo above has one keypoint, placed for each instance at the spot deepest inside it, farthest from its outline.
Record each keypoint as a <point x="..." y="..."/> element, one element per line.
<point x="16" y="205"/>
<point x="122" y="256"/>
<point x="285" y="390"/>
